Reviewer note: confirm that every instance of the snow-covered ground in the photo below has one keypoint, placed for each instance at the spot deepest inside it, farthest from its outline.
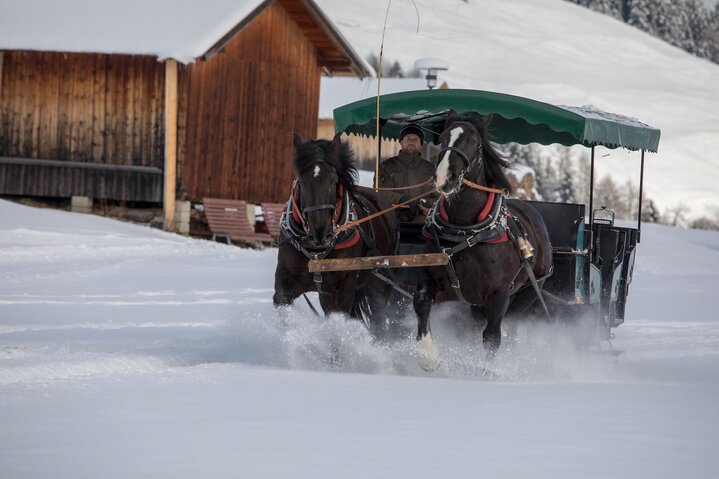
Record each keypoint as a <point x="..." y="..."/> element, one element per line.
<point x="129" y="352"/>
<point x="561" y="53"/>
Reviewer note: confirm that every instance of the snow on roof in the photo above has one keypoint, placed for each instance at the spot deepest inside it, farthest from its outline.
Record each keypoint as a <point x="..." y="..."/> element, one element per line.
<point x="338" y="91"/>
<point x="179" y="29"/>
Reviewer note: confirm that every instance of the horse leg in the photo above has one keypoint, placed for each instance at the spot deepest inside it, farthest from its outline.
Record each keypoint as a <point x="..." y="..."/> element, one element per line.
<point x="287" y="288"/>
<point x="479" y="314"/>
<point x="427" y="351"/>
<point x="337" y="302"/>
<point x="378" y="294"/>
<point x="496" y="306"/>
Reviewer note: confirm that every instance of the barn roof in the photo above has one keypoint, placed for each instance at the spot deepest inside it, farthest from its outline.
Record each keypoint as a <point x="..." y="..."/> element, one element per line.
<point x="181" y="29"/>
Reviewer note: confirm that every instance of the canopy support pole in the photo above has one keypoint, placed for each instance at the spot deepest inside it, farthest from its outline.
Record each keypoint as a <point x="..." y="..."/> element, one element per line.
<point x="591" y="209"/>
<point x="641" y="189"/>
<point x="591" y="189"/>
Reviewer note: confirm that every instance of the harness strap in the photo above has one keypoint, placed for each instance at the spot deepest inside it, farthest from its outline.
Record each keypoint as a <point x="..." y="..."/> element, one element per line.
<point x="451" y="272"/>
<point x="515" y="230"/>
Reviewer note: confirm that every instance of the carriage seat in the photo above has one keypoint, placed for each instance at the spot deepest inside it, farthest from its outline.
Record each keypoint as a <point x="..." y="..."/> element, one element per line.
<point x="563" y="222"/>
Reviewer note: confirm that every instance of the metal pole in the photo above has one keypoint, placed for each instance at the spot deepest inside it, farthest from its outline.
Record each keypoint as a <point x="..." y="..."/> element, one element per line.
<point x="641" y="189"/>
<point x="591" y="190"/>
<point x="591" y="214"/>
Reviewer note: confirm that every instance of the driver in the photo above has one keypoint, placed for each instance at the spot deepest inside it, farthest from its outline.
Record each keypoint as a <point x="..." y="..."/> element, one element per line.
<point x="405" y="169"/>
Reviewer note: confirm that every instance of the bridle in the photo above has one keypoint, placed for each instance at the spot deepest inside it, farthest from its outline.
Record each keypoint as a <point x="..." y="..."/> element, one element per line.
<point x="470" y="163"/>
<point x="342" y="198"/>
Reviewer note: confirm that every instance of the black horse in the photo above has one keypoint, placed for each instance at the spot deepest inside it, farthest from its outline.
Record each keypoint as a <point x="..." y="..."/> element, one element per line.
<point x="495" y="245"/>
<point x="323" y="198"/>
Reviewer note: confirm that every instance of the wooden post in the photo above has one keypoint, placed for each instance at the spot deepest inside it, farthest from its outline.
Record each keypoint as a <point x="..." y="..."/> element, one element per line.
<point x="1" y="59"/>
<point x="170" y="143"/>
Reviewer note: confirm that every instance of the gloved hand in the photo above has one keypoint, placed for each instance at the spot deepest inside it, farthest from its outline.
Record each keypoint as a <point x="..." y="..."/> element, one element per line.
<point x="424" y="206"/>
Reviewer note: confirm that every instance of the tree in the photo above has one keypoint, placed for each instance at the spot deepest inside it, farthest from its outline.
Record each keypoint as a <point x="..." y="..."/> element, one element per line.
<point x="629" y="200"/>
<point x="565" y="191"/>
<point x="395" y="71"/>
<point x="676" y="215"/>
<point x="687" y="24"/>
<point x="710" y="222"/>
<point x="650" y="213"/>
<point x="705" y="223"/>
<point x="389" y="69"/>
<point x="607" y="194"/>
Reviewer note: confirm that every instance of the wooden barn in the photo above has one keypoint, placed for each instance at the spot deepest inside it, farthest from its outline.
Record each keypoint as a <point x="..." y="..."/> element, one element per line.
<point x="142" y="107"/>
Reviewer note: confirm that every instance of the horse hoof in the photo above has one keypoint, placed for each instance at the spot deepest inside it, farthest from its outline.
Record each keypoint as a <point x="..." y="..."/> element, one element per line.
<point x="427" y="353"/>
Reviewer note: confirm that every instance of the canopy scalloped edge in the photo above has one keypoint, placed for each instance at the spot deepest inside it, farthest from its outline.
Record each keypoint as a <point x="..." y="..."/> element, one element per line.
<point x="514" y="119"/>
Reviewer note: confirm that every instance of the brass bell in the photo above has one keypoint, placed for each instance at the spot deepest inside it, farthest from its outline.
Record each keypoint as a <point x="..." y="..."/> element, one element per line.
<point x="526" y="248"/>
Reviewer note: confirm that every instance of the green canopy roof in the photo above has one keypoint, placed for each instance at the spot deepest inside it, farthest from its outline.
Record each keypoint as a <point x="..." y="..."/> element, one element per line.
<point x="513" y="119"/>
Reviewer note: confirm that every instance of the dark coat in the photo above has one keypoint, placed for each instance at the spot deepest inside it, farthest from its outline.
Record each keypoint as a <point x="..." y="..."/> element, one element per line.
<point x="407" y="168"/>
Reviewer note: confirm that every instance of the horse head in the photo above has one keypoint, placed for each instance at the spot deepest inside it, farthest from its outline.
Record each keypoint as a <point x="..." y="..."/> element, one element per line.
<point x="466" y="153"/>
<point x="325" y="171"/>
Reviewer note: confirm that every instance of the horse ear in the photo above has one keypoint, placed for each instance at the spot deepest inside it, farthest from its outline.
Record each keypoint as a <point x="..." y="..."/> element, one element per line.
<point x="452" y="116"/>
<point x="484" y="120"/>
<point x="336" y="143"/>
<point x="297" y="141"/>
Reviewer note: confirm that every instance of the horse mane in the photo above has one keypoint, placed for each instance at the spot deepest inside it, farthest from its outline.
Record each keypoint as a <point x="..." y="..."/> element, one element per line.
<point x="494" y="162"/>
<point x="336" y="153"/>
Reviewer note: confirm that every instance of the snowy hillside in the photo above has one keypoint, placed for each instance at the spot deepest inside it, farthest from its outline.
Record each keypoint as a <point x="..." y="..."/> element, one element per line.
<point x="556" y="51"/>
<point x="130" y="352"/>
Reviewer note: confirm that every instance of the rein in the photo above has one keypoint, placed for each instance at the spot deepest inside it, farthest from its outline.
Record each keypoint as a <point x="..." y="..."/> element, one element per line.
<point x="380" y="213"/>
<point x="476" y="186"/>
<point x="402" y="188"/>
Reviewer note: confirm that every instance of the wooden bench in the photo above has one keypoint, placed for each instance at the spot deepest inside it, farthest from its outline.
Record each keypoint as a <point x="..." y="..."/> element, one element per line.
<point x="228" y="219"/>
<point x="272" y="213"/>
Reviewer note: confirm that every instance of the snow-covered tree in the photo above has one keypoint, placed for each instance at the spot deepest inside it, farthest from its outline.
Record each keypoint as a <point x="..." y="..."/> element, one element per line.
<point x="687" y="24"/>
<point x="395" y="71"/>
<point x="606" y="193"/>
<point x="650" y="213"/>
<point x="676" y="215"/>
<point x="565" y="192"/>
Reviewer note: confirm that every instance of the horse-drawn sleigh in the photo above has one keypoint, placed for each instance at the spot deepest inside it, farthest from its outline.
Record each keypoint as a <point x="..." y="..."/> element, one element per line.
<point x="478" y="245"/>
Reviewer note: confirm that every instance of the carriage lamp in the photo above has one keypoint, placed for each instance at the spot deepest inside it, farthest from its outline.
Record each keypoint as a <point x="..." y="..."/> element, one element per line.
<point x="432" y="65"/>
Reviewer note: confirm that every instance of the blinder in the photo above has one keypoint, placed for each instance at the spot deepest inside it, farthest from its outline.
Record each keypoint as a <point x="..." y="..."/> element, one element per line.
<point x="299" y="213"/>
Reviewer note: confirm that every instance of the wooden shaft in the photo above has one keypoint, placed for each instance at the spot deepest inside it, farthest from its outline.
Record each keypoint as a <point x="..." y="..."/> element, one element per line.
<point x="170" y="143"/>
<point x="372" y="262"/>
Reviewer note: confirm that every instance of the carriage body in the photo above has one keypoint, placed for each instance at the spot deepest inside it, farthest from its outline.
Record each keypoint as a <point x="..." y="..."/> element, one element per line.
<point x="593" y="257"/>
<point x="585" y="275"/>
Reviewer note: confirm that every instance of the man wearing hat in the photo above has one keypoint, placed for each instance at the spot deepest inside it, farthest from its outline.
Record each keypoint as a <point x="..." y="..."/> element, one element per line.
<point x="405" y="169"/>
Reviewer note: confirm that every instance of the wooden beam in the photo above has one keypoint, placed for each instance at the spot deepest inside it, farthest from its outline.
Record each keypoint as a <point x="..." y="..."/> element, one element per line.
<point x="151" y="170"/>
<point x="372" y="262"/>
<point x="170" y="143"/>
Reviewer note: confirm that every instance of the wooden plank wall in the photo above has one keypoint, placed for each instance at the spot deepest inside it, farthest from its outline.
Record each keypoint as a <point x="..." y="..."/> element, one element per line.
<point x="244" y="105"/>
<point x="89" y="108"/>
